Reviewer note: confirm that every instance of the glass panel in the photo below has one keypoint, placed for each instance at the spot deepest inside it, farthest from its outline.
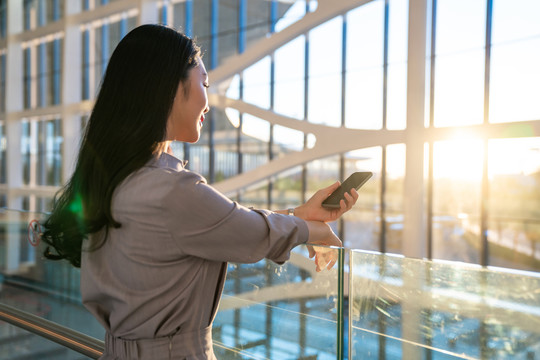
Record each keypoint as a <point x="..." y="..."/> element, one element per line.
<point x="514" y="195"/>
<point x="362" y="222"/>
<point x="256" y="78"/>
<point x="459" y="69"/>
<point x="396" y="81"/>
<point x="260" y="317"/>
<point x="3" y="18"/>
<point x="324" y="95"/>
<point x="457" y="173"/>
<point x="202" y="27"/>
<point x="3" y="81"/>
<point x="256" y="196"/>
<point x="233" y="90"/>
<point x="49" y="164"/>
<point x="398" y="29"/>
<point x="27" y="149"/>
<point x="85" y="39"/>
<point x="226" y="147"/>
<point x="289" y="80"/>
<point x="287" y="189"/>
<point x="287" y="140"/>
<point x="228" y="29"/>
<point x="393" y="197"/>
<point x="179" y="16"/>
<point x="514" y="73"/>
<point x="257" y="20"/>
<point x="199" y="159"/>
<point x="365" y="50"/>
<point x="3" y="153"/>
<point x="254" y="142"/>
<point x="412" y="309"/>
<point x="396" y="97"/>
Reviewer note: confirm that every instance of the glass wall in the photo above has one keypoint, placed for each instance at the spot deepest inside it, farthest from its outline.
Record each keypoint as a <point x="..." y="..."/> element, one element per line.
<point x="2" y="81"/>
<point x="514" y="216"/>
<point x="41" y="149"/>
<point x="42" y="72"/>
<point x="346" y="73"/>
<point x="98" y="41"/>
<point x="39" y="13"/>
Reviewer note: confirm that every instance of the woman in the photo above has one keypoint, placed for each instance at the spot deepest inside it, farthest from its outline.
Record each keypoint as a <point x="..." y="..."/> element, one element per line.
<point x="152" y="238"/>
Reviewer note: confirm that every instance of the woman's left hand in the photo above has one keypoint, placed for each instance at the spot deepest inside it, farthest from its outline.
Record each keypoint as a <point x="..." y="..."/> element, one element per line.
<point x="313" y="209"/>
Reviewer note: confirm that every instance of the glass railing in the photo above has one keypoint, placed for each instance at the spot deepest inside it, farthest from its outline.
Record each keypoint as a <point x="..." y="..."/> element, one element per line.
<point x="415" y="309"/>
<point x="368" y="306"/>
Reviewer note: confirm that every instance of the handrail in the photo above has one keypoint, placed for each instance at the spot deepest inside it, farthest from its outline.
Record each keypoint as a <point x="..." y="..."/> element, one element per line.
<point x="62" y="335"/>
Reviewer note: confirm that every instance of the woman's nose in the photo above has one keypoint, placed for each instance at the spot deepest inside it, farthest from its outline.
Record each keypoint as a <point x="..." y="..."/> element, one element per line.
<point x="207" y="109"/>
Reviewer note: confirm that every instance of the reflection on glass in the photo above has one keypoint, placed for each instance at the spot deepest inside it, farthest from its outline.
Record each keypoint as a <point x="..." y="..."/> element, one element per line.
<point x="514" y="195"/>
<point x="260" y="318"/>
<point x="362" y="223"/>
<point x="289" y="79"/>
<point x="364" y="79"/>
<point x="457" y="172"/>
<point x="413" y="309"/>
<point x="324" y="99"/>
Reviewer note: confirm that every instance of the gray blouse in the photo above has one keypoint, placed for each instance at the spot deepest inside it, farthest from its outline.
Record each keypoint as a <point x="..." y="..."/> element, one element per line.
<point x="156" y="282"/>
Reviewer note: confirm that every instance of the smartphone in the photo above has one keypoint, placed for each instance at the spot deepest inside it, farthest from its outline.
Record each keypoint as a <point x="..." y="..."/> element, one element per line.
<point x="356" y="180"/>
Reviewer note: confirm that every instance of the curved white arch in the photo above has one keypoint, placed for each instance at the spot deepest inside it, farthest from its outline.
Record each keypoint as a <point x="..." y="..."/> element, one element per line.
<point x="330" y="141"/>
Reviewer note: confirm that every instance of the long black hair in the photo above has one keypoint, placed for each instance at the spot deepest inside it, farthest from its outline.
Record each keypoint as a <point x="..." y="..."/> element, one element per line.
<point x="126" y="128"/>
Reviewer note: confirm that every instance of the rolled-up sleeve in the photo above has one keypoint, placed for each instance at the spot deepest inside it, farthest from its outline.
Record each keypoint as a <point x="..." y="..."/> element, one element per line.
<point x="204" y="223"/>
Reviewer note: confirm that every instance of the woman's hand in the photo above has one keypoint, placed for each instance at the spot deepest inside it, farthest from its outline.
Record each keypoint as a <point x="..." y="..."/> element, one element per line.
<point x="321" y="233"/>
<point x="313" y="209"/>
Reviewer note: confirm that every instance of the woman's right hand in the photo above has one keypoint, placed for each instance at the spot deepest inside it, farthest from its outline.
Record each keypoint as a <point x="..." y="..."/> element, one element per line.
<point x="321" y="233"/>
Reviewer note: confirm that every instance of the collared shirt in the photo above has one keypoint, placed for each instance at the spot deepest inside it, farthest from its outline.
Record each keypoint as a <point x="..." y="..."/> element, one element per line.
<point x="162" y="272"/>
